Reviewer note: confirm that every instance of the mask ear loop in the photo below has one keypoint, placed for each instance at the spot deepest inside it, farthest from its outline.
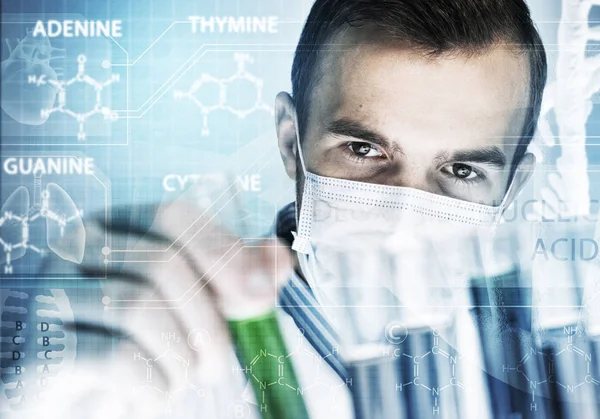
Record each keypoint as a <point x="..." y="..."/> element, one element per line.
<point x="303" y="223"/>
<point x="301" y="158"/>
<point x="298" y="147"/>
<point x="503" y="205"/>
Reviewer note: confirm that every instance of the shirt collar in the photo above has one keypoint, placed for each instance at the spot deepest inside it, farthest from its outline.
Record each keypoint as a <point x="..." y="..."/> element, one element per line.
<point x="297" y="300"/>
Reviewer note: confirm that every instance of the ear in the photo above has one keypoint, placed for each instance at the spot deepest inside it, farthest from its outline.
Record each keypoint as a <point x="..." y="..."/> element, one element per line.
<point x="522" y="174"/>
<point x="285" y="123"/>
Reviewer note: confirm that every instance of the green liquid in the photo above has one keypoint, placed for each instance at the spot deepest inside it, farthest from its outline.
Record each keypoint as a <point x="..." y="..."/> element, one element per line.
<point x="263" y="356"/>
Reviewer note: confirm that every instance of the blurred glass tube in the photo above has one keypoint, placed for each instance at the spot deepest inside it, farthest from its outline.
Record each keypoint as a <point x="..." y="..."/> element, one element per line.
<point x="591" y="321"/>
<point x="502" y="308"/>
<point x="571" y="380"/>
<point x="500" y="279"/>
<point x="401" y="385"/>
<point x="557" y="274"/>
<point x="395" y="319"/>
<point x="423" y="288"/>
<point x="560" y="270"/>
<point x="258" y="340"/>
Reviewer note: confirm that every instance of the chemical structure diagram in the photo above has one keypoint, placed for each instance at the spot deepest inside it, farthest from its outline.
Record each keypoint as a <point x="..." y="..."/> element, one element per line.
<point x="304" y="355"/>
<point x="419" y="381"/>
<point x="549" y="362"/>
<point x="42" y="208"/>
<point x="169" y="357"/>
<point x="223" y="83"/>
<point x="80" y="77"/>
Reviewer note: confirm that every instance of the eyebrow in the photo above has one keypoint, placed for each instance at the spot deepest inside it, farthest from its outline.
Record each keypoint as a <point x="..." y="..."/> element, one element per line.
<point x="348" y="128"/>
<point x="488" y="155"/>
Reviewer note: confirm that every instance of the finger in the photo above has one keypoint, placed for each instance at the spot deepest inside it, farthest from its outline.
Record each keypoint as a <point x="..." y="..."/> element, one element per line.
<point x="163" y="293"/>
<point x="118" y="280"/>
<point x="228" y="262"/>
<point x="217" y="254"/>
<point x="151" y="287"/>
<point x="170" y="300"/>
<point x="152" y="335"/>
<point x="253" y="291"/>
<point x="134" y="257"/>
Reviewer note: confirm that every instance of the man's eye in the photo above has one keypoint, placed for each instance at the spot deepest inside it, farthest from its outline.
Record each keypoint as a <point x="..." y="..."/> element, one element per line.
<point x="364" y="149"/>
<point x="461" y="171"/>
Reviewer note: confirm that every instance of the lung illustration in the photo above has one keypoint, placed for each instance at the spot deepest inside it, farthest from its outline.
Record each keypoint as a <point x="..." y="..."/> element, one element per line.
<point x="65" y="233"/>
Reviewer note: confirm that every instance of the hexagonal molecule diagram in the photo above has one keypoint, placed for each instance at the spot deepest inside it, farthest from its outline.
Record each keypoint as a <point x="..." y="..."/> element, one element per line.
<point x="271" y="371"/>
<point x="222" y="84"/>
<point x="563" y="367"/>
<point x="65" y="232"/>
<point x="169" y="362"/>
<point x="431" y="375"/>
<point x="80" y="77"/>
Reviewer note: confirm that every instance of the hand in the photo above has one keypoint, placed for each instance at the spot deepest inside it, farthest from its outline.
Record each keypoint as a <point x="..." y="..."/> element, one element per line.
<point x="184" y="278"/>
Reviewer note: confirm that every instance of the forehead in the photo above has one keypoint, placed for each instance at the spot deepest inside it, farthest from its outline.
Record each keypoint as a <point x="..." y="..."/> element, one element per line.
<point x="399" y="91"/>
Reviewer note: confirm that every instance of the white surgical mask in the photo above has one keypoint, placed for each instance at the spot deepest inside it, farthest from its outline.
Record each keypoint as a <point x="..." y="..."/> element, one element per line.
<point x="338" y="213"/>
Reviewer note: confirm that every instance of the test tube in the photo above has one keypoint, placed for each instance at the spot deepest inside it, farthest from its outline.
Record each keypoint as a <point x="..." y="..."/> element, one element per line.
<point x="569" y="352"/>
<point x="263" y="357"/>
<point x="413" y="379"/>
<point x="501" y="298"/>
<point x="410" y="373"/>
<point x="569" y="373"/>
<point x="373" y="374"/>
<point x="259" y="344"/>
<point x="591" y="322"/>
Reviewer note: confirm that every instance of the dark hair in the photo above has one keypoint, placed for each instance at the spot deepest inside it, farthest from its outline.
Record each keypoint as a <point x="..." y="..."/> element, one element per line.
<point x="430" y="26"/>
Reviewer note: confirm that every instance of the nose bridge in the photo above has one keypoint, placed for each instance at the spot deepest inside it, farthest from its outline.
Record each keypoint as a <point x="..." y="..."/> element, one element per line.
<point x="413" y="175"/>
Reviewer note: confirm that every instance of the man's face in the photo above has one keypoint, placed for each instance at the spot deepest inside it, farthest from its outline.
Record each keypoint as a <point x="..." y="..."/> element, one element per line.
<point x="448" y="125"/>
